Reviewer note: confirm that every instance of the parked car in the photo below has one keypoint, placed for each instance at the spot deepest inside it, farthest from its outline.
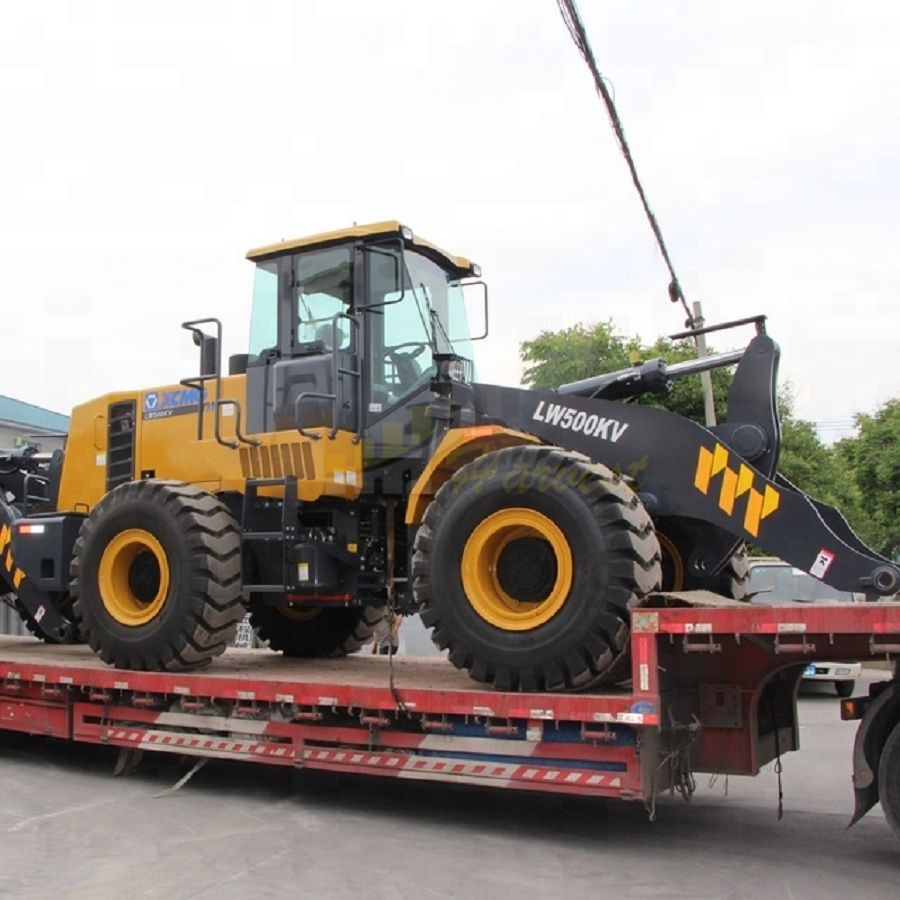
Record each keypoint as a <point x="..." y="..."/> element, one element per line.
<point x="773" y="581"/>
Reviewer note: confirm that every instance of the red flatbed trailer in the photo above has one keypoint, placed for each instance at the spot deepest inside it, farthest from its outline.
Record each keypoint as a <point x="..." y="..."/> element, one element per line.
<point x="714" y="689"/>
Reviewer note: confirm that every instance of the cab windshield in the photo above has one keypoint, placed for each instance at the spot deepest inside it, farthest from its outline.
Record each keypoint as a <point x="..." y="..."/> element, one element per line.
<point x="413" y="313"/>
<point x="442" y="295"/>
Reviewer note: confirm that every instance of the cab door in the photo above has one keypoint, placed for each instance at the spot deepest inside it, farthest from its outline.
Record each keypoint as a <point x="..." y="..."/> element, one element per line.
<point x="315" y="381"/>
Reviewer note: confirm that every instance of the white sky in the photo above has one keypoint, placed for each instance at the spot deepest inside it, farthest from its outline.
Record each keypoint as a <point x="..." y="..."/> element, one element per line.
<point x="144" y="147"/>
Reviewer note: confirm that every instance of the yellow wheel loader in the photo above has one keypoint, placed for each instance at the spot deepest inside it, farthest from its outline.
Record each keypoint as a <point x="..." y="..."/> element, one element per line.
<point x="350" y="463"/>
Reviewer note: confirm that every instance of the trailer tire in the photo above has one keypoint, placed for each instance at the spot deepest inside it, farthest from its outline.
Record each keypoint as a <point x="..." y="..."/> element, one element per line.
<point x="316" y="632"/>
<point x="889" y="780"/>
<point x="526" y="565"/>
<point x="156" y="576"/>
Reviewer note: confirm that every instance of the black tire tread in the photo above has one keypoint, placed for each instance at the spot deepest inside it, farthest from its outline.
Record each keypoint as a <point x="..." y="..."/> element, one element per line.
<point x="634" y="564"/>
<point x="732" y="580"/>
<point x="318" y="636"/>
<point x="215" y="605"/>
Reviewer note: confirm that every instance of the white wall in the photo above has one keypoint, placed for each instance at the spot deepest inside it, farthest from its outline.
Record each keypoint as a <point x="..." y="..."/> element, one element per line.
<point x="9" y="433"/>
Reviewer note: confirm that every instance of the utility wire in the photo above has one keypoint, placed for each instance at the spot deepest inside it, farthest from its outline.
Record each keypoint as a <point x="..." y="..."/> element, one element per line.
<point x="572" y="19"/>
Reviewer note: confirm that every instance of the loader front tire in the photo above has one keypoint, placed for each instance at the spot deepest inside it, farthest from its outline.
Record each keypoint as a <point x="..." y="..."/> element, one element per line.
<point x="526" y="565"/>
<point x="316" y="631"/>
<point x="156" y="576"/>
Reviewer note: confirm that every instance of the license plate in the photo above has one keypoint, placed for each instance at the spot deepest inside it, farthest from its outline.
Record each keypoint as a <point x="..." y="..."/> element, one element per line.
<point x="810" y="670"/>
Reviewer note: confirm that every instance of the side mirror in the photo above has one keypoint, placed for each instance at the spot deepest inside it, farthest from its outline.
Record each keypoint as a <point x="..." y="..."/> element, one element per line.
<point x="389" y="278"/>
<point x="209" y="353"/>
<point x="475" y="310"/>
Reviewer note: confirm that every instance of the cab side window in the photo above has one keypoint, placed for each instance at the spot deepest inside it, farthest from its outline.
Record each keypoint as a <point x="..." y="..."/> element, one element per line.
<point x="323" y="288"/>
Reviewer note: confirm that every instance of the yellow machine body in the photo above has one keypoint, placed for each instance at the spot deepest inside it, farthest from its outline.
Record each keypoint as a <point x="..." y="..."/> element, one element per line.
<point x="166" y="445"/>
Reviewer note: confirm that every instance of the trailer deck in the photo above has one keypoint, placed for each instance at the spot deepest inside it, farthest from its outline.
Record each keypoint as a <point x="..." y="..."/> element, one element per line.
<point x="713" y="689"/>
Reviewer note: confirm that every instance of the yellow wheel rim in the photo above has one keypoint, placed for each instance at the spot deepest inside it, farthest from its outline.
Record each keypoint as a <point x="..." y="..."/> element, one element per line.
<point x="481" y="561"/>
<point x="671" y="557"/>
<point x="133" y="577"/>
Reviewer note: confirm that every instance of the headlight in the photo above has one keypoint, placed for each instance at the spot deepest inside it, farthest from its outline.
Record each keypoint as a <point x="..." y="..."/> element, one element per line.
<point x="456" y="371"/>
<point x="450" y="368"/>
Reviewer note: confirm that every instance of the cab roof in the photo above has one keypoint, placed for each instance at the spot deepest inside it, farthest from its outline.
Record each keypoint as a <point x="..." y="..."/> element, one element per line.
<point x="390" y="228"/>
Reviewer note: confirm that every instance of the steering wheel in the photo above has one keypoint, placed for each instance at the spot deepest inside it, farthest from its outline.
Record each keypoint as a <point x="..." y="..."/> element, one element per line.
<point x="407" y="369"/>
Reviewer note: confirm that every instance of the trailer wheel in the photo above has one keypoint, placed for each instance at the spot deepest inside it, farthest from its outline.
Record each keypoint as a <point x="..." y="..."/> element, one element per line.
<point x="316" y="631"/>
<point x="675" y="542"/>
<point x="526" y="565"/>
<point x="156" y="576"/>
<point x="889" y="780"/>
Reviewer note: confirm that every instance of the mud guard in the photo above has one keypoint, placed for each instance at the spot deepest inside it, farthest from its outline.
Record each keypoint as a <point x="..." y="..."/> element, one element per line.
<point x="881" y="716"/>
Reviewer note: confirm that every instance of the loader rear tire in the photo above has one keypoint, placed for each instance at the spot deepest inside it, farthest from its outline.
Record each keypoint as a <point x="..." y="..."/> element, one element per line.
<point x="156" y="576"/>
<point x="526" y="565"/>
<point x="675" y="541"/>
<point x="317" y="631"/>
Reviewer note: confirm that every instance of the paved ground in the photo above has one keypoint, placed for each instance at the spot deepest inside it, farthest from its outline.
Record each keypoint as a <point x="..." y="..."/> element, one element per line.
<point x="67" y="829"/>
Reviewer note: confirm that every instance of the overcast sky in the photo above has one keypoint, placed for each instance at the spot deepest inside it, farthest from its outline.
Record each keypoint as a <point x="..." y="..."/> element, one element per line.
<point x="147" y="146"/>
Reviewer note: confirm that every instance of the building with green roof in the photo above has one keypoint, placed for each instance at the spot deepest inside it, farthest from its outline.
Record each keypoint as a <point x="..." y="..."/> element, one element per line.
<point x="24" y="423"/>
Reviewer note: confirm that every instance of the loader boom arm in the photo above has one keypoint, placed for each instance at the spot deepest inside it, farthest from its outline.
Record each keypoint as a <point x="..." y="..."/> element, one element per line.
<point x="725" y="476"/>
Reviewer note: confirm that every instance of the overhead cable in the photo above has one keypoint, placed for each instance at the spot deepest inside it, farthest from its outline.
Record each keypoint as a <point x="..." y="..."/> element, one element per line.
<point x="572" y="19"/>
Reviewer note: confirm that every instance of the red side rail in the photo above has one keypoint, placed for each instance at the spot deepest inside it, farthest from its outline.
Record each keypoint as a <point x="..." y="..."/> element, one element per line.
<point x="341" y="716"/>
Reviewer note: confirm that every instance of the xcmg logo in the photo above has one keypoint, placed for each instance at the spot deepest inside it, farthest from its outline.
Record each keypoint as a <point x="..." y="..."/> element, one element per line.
<point x="162" y="404"/>
<point x="184" y="397"/>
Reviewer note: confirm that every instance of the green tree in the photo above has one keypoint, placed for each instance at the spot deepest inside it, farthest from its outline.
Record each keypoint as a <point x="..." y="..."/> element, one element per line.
<point x="872" y="458"/>
<point x="819" y="472"/>
<point x="580" y="351"/>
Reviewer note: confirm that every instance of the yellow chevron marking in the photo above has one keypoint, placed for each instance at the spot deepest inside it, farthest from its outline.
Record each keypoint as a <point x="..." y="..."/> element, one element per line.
<point x="703" y="473"/>
<point x="18" y="578"/>
<point x="726" y="494"/>
<point x="754" y="508"/>
<point x="735" y="483"/>
<point x="5" y="536"/>
<point x="720" y="459"/>
<point x="770" y="501"/>
<point x="745" y="480"/>
<point x="9" y="562"/>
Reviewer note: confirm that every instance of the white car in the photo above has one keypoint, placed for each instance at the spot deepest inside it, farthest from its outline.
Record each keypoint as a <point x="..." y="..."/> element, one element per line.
<point x="773" y="581"/>
<point x="842" y="674"/>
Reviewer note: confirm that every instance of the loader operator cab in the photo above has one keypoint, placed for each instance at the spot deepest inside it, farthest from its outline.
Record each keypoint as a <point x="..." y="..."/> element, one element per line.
<point x="345" y="327"/>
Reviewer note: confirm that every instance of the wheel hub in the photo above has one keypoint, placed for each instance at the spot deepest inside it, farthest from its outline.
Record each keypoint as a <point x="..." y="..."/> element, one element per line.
<point x="517" y="569"/>
<point x="133" y="577"/>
